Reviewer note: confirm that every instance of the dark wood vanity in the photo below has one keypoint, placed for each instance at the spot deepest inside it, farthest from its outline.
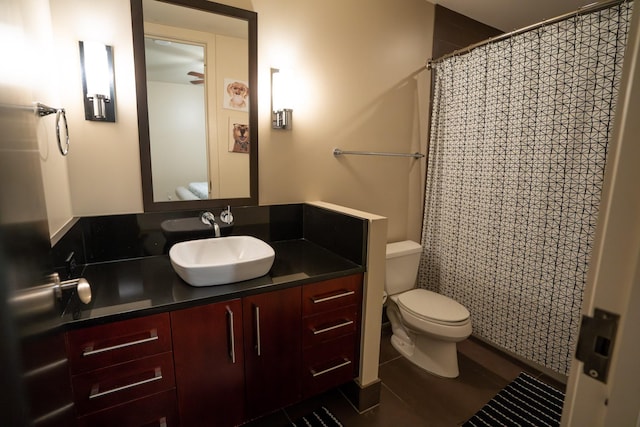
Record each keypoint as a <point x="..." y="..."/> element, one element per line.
<point x="152" y="350"/>
<point x="220" y="364"/>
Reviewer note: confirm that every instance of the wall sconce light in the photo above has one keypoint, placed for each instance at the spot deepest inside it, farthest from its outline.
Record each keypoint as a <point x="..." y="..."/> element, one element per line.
<point x="282" y="88"/>
<point x="98" y="81"/>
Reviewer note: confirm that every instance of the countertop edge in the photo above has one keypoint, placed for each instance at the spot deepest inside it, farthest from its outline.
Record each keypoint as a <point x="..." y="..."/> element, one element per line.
<point x="73" y="324"/>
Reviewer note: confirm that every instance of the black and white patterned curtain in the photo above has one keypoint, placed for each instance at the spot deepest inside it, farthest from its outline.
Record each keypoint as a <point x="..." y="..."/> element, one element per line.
<point x="519" y="136"/>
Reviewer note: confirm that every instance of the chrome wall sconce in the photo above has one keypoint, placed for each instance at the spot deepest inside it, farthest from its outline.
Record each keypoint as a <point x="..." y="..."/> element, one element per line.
<point x="98" y="86"/>
<point x="281" y="98"/>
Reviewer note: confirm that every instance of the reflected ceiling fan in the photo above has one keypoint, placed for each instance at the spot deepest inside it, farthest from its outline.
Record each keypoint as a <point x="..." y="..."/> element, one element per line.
<point x="199" y="77"/>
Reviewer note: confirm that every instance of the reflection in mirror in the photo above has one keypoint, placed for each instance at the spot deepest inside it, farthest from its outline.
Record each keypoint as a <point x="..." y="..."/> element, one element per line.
<point x="177" y="119"/>
<point x="197" y="109"/>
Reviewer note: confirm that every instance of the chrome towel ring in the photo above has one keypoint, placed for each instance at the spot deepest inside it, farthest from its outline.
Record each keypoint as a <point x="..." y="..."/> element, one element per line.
<point x="44" y="110"/>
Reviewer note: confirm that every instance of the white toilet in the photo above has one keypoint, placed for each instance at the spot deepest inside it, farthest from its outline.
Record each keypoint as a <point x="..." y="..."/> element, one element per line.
<point x="426" y="326"/>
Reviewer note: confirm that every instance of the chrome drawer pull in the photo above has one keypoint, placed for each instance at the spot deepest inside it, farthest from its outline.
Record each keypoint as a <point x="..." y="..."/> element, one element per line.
<point x="342" y="295"/>
<point x="258" y="347"/>
<point x="232" y="344"/>
<point x="331" y="328"/>
<point x="94" y="391"/>
<point x="333" y="368"/>
<point x="153" y="337"/>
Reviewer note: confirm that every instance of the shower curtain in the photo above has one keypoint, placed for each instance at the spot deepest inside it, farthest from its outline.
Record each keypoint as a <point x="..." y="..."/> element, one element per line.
<point x="518" y="147"/>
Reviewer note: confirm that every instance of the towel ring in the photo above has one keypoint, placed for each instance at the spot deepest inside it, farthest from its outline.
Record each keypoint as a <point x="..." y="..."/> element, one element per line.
<point x="44" y="110"/>
<point x="64" y="151"/>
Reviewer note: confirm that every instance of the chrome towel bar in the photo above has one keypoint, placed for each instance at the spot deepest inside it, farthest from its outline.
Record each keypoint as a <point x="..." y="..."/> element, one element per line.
<point x="339" y="152"/>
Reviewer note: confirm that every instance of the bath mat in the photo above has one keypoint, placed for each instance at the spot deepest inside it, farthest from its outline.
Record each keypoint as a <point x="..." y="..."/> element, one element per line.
<point x="524" y="402"/>
<point x="320" y="417"/>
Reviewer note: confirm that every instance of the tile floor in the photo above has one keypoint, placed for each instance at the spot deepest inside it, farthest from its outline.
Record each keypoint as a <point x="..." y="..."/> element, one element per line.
<point x="411" y="397"/>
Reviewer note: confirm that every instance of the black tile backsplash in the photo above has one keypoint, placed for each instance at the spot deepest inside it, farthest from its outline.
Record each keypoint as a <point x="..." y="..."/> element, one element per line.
<point x="118" y="237"/>
<point x="286" y="222"/>
<point x="342" y="234"/>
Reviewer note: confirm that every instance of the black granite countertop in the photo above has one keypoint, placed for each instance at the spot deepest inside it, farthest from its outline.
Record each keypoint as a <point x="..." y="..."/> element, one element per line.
<point x="138" y="287"/>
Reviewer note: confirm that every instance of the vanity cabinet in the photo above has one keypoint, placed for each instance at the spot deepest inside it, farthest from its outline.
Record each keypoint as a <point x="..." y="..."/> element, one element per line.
<point x="209" y="363"/>
<point x="218" y="364"/>
<point x="232" y="352"/>
<point x="272" y="350"/>
<point x="122" y="373"/>
<point x="330" y="333"/>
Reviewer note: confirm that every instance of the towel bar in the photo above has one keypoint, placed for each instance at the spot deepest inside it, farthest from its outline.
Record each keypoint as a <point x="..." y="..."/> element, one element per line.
<point x="338" y="152"/>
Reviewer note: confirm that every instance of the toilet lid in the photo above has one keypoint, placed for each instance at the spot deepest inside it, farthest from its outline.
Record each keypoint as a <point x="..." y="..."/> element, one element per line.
<point x="431" y="305"/>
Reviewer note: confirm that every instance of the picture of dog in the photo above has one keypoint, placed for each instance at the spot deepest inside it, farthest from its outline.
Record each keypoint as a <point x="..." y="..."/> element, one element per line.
<point x="238" y="93"/>
<point x="240" y="135"/>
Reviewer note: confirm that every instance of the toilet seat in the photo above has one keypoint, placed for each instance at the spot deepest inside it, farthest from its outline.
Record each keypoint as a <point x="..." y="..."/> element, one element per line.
<point x="433" y="307"/>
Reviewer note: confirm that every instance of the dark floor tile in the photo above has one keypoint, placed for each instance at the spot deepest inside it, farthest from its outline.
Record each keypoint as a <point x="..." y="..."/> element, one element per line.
<point x="493" y="360"/>
<point x="503" y="364"/>
<point x="391" y="412"/>
<point x="412" y="397"/>
<point x="444" y="401"/>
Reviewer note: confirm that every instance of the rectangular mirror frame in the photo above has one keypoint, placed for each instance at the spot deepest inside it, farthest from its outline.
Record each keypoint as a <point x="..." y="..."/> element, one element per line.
<point x="143" y="112"/>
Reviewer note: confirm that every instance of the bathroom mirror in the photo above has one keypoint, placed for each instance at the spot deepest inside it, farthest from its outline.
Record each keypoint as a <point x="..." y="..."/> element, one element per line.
<point x="196" y="80"/>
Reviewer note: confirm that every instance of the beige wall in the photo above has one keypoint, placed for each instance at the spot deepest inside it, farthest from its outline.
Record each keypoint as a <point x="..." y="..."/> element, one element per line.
<point x="104" y="161"/>
<point x="362" y="86"/>
<point x="53" y="164"/>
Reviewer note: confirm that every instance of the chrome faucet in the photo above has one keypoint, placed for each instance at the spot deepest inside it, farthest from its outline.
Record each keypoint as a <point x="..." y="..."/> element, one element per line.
<point x="209" y="219"/>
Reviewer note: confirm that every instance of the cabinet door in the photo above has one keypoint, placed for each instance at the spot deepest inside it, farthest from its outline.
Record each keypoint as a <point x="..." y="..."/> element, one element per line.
<point x="209" y="364"/>
<point x="272" y="335"/>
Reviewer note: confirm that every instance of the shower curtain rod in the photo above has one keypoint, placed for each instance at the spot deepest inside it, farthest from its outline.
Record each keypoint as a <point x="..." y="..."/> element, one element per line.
<point x="593" y="7"/>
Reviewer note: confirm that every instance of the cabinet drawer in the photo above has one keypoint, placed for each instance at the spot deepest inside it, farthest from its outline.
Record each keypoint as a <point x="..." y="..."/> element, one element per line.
<point x="328" y="365"/>
<point x="118" y="342"/>
<point x="158" y="410"/>
<point x="331" y="294"/>
<point x="329" y="325"/>
<point x="113" y="385"/>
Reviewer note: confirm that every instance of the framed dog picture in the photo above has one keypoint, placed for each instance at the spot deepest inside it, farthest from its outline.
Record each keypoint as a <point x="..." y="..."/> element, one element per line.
<point x="239" y="140"/>
<point x="236" y="95"/>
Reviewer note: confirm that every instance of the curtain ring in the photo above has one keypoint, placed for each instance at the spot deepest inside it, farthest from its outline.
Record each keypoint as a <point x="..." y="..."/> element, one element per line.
<point x="64" y="151"/>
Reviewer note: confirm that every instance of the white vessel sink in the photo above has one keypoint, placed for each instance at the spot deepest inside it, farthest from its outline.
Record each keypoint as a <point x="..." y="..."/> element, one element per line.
<point x="221" y="260"/>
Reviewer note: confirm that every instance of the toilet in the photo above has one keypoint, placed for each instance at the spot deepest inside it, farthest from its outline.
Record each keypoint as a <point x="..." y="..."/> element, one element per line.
<point x="426" y="325"/>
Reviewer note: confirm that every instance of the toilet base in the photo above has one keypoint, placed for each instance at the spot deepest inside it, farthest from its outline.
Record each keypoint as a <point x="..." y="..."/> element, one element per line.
<point x="435" y="356"/>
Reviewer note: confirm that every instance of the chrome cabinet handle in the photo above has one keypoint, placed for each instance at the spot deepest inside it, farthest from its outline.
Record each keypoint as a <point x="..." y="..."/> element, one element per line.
<point x="329" y="298"/>
<point x="345" y="362"/>
<point x="331" y="328"/>
<point x="257" y="312"/>
<point x="153" y="337"/>
<point x="95" y="393"/>
<point x="232" y="344"/>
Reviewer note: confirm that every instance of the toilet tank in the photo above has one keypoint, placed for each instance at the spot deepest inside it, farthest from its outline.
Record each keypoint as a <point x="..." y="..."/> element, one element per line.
<point x="403" y="259"/>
